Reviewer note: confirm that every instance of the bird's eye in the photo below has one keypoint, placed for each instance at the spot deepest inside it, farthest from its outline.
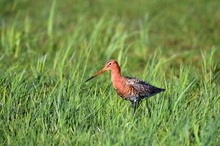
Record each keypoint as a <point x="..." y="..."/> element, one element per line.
<point x="110" y="63"/>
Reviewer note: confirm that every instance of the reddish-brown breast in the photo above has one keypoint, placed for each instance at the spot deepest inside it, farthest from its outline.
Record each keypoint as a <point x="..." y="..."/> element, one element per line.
<point x="122" y="88"/>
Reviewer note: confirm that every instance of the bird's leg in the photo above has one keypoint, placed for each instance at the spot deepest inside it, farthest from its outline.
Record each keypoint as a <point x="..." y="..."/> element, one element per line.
<point x="134" y="106"/>
<point x="133" y="103"/>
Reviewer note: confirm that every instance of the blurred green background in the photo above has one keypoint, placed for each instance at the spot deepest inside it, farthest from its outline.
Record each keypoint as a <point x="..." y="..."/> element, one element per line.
<point x="171" y="25"/>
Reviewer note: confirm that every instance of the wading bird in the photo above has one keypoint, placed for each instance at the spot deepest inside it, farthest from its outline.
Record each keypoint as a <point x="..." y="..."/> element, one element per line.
<point x="128" y="88"/>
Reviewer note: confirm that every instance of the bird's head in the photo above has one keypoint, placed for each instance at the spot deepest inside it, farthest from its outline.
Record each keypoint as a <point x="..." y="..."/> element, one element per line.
<point x="110" y="65"/>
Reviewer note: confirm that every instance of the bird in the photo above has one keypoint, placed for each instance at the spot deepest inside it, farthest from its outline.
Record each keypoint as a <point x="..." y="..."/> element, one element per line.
<point x="129" y="88"/>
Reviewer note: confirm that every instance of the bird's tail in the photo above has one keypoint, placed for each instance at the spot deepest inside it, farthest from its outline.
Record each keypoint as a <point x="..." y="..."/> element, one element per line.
<point x="157" y="90"/>
<point x="162" y="90"/>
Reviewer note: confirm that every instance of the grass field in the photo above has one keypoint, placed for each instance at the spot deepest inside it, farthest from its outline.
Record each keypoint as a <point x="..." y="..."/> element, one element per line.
<point x="49" y="48"/>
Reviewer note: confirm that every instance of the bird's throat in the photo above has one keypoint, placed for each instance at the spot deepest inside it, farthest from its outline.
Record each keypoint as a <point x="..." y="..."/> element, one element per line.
<point x="116" y="77"/>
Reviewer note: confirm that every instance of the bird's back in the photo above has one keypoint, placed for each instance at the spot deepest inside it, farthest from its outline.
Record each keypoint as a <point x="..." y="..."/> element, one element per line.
<point x="141" y="89"/>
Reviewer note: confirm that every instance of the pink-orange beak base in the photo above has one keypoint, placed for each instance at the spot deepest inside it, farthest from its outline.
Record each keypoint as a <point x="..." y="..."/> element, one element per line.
<point x="95" y="75"/>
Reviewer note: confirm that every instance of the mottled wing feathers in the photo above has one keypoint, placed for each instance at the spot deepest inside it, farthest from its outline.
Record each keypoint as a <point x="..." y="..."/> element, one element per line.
<point x="142" y="88"/>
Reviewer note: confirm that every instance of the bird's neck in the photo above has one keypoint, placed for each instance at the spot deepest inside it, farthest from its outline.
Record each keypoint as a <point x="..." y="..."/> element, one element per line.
<point x="116" y="74"/>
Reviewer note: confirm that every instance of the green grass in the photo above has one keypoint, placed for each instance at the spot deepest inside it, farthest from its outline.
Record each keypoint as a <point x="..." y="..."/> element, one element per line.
<point x="49" y="48"/>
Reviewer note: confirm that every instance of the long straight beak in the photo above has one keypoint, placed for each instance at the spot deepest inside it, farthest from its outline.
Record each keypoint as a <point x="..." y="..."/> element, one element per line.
<point x="98" y="73"/>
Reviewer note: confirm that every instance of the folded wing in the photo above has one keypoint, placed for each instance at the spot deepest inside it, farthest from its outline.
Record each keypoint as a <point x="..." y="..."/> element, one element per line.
<point x="142" y="89"/>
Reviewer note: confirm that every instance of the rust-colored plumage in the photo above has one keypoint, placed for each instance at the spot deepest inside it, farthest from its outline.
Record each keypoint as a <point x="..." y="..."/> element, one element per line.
<point x="128" y="88"/>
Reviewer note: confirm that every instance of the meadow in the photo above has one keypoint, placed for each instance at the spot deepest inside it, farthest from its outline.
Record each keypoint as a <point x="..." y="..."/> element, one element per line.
<point x="49" y="48"/>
